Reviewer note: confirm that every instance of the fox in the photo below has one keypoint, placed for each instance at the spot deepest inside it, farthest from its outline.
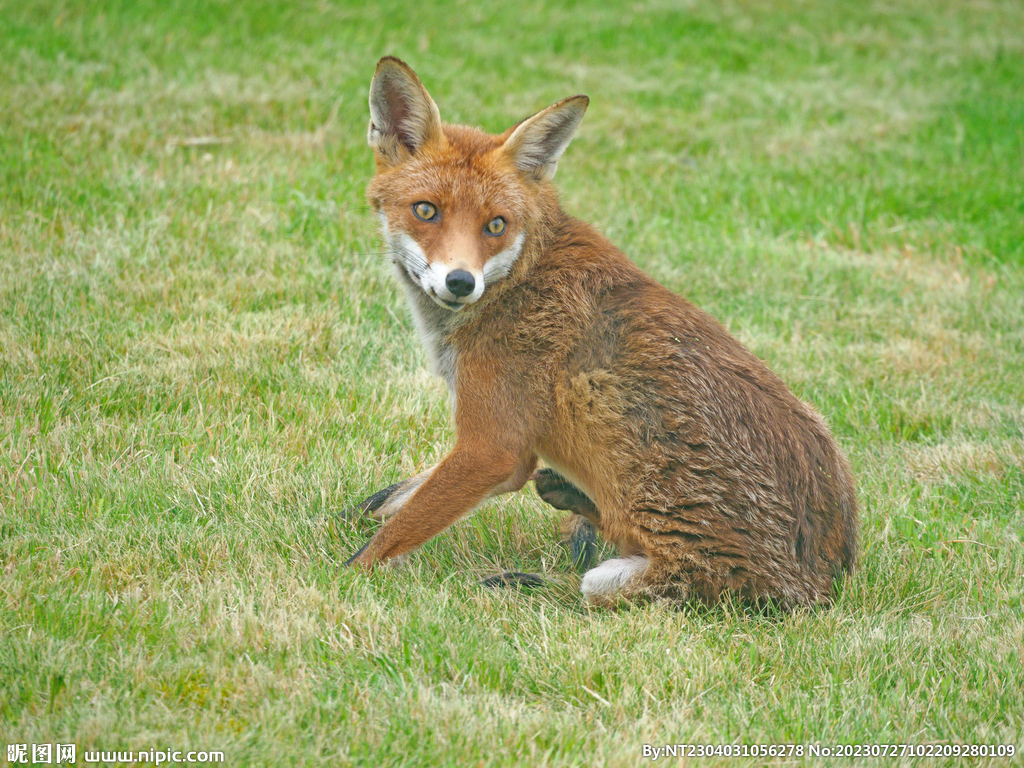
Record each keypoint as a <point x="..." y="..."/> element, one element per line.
<point x="655" y="426"/>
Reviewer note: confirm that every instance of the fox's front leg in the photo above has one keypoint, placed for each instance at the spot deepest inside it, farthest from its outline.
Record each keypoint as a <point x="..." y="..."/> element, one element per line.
<point x="466" y="476"/>
<point x="387" y="501"/>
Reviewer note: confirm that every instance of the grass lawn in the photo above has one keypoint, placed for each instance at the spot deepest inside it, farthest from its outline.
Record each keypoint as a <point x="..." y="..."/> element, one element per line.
<point x="203" y="358"/>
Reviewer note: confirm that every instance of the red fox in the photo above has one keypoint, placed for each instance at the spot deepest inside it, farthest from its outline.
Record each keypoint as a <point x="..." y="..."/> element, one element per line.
<point x="656" y="426"/>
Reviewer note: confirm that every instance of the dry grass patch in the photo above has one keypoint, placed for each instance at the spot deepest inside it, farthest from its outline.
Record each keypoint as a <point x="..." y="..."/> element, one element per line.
<point x="947" y="460"/>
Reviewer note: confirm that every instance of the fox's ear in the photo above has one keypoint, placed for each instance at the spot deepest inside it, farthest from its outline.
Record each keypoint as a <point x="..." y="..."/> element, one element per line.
<point x="536" y="143"/>
<point x="403" y="117"/>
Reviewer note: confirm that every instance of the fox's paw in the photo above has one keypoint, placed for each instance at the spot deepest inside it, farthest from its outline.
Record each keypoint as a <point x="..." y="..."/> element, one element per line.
<point x="371" y="504"/>
<point x="366" y="560"/>
<point x="581" y="536"/>
<point x="555" y="490"/>
<point x="513" y="579"/>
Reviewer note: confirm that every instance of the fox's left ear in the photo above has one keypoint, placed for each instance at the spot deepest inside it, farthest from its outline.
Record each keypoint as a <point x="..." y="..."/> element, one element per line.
<point x="536" y="143"/>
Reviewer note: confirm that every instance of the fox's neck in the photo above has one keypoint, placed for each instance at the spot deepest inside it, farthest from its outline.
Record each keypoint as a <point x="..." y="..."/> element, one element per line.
<point x="433" y="326"/>
<point x="564" y="242"/>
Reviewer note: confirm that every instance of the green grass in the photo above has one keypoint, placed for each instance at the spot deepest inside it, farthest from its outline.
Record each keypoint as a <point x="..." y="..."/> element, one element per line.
<point x="203" y="358"/>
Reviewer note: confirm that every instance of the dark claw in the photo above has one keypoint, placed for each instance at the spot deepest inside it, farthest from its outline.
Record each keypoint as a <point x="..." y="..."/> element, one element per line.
<point x="371" y="503"/>
<point x="513" y="579"/>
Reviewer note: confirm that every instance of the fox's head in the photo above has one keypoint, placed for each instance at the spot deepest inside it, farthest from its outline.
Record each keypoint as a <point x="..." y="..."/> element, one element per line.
<point x="455" y="203"/>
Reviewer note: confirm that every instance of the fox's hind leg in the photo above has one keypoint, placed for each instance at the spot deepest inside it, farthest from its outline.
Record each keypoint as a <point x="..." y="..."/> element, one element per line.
<point x="579" y="530"/>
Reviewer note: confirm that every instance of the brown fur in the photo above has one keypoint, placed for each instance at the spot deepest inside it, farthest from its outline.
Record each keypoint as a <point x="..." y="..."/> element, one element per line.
<point x="690" y="450"/>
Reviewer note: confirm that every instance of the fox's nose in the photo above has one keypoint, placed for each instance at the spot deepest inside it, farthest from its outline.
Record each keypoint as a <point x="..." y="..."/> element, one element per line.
<point x="460" y="282"/>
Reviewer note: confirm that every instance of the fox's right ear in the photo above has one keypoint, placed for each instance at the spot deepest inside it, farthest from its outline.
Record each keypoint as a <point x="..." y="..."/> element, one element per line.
<point x="403" y="117"/>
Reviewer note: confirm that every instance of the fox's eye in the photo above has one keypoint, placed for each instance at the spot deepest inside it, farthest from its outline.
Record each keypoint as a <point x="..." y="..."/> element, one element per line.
<point x="424" y="211"/>
<point x="495" y="226"/>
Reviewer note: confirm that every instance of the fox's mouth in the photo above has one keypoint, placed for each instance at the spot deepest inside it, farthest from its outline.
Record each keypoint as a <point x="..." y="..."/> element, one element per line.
<point x="416" y="279"/>
<point x="454" y="306"/>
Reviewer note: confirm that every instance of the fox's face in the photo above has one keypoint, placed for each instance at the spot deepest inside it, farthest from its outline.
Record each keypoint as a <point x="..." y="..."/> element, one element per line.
<point x="455" y="204"/>
<point x="453" y="220"/>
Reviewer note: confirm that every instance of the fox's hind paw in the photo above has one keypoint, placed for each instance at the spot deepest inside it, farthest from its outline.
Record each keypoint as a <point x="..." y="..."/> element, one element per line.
<point x="579" y="530"/>
<point x="555" y="490"/>
<point x="582" y="538"/>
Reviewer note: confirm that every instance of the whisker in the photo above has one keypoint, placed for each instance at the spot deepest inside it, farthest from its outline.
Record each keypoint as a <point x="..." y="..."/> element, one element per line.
<point x="409" y="259"/>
